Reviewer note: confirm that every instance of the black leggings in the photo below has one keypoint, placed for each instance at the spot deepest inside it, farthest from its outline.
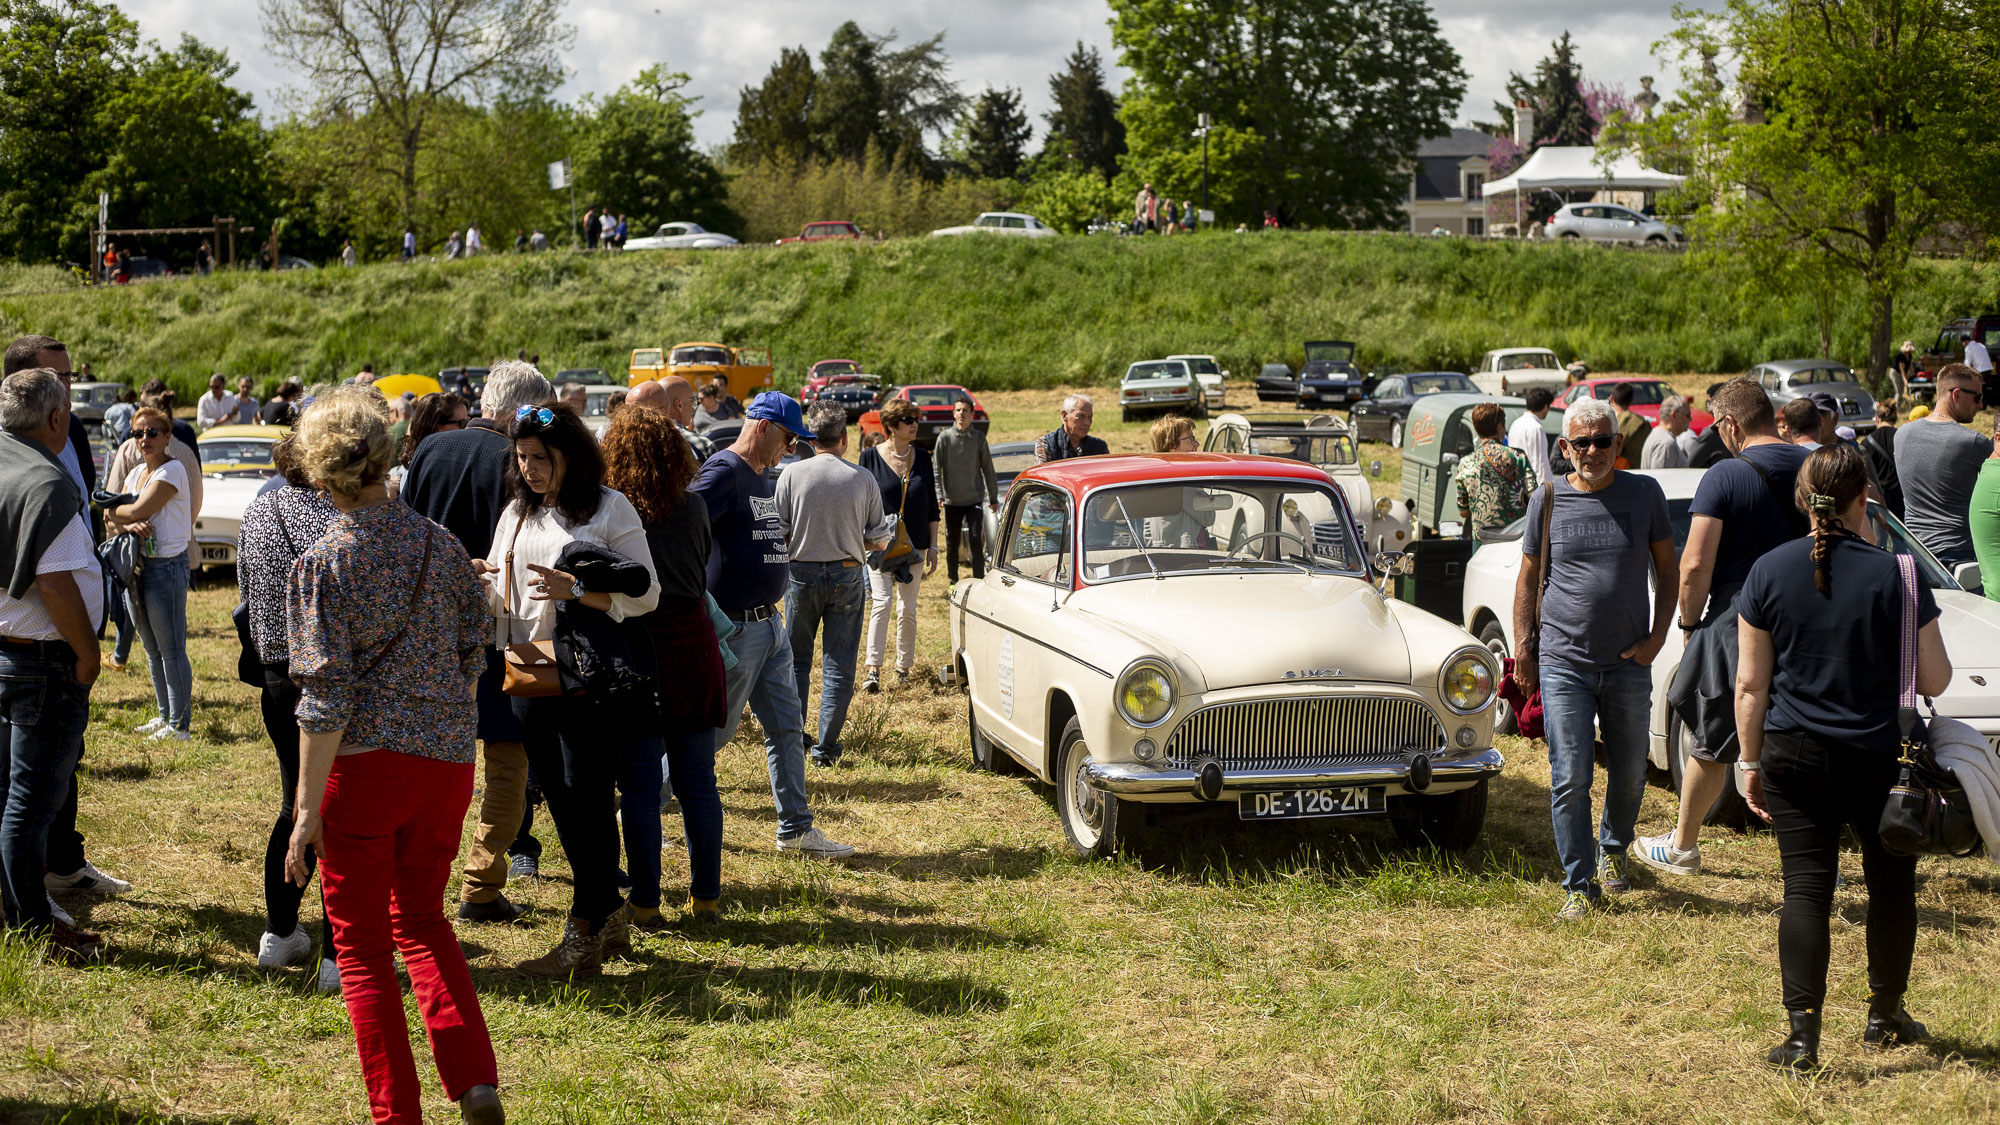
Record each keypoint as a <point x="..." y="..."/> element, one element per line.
<point x="281" y="899"/>
<point x="975" y="532"/>
<point x="1814" y="786"/>
<point x="573" y="748"/>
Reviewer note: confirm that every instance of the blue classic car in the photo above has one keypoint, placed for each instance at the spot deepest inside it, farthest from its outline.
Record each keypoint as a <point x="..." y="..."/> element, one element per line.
<point x="1329" y="376"/>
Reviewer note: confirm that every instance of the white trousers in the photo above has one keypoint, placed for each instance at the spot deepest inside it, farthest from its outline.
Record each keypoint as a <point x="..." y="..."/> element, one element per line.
<point x="882" y="590"/>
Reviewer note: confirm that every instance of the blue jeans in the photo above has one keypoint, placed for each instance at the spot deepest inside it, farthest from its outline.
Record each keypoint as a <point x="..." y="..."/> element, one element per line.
<point x="763" y="677"/>
<point x="641" y="766"/>
<point x="1577" y="705"/>
<point x="43" y="712"/>
<point x="834" y="598"/>
<point x="159" y="612"/>
<point x="690" y="759"/>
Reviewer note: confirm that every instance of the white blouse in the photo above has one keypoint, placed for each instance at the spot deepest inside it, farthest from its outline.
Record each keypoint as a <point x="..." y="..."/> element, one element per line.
<point x="543" y="535"/>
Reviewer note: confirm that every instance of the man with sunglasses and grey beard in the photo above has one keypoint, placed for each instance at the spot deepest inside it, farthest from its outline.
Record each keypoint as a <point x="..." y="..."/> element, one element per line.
<point x="1607" y="535"/>
<point x="1937" y="463"/>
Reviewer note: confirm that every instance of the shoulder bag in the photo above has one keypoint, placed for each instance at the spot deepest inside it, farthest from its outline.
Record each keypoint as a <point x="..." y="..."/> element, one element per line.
<point x="1528" y="711"/>
<point x="1928" y="812"/>
<point x="901" y="547"/>
<point x="530" y="667"/>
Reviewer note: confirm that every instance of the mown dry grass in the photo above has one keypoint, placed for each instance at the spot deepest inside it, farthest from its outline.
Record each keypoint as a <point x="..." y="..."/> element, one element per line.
<point x="962" y="968"/>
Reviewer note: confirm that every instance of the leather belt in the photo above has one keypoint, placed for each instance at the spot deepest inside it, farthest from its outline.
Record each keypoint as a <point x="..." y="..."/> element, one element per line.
<point x="754" y="613"/>
<point x="57" y="647"/>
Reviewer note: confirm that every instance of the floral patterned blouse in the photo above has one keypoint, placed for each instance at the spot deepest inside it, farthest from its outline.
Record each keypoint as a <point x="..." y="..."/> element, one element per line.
<point x="278" y="526"/>
<point x="1493" y="485"/>
<point x="348" y="595"/>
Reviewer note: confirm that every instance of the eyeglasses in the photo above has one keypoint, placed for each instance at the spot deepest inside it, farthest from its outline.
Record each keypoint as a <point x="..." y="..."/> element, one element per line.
<point x="540" y="414"/>
<point x="1595" y="441"/>
<point x="147" y="433"/>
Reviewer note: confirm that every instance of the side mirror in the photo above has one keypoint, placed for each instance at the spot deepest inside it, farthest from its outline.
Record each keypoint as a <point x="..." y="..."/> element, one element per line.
<point x="1375" y="468"/>
<point x="1968" y="577"/>
<point x="1396" y="563"/>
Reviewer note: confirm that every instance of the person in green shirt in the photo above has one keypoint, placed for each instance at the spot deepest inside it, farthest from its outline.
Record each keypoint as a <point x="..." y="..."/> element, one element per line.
<point x="1986" y="518"/>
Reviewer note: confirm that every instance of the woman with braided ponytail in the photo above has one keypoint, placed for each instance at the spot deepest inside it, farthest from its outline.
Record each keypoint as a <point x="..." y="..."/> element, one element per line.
<point x="1818" y="683"/>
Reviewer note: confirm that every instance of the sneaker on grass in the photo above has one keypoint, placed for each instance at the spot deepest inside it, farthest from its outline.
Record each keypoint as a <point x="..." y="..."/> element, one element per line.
<point x="59" y="914"/>
<point x="274" y="952"/>
<point x="812" y="842"/>
<point x="1614" y="873"/>
<point x="1576" y="905"/>
<point x="86" y="880"/>
<point x="524" y="867"/>
<point x="150" y="725"/>
<point x="1660" y="854"/>
<point x="329" y="975"/>
<point x="169" y="734"/>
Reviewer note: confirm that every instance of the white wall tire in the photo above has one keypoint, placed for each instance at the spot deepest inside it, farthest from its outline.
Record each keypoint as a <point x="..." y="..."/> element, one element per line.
<point x="1094" y="823"/>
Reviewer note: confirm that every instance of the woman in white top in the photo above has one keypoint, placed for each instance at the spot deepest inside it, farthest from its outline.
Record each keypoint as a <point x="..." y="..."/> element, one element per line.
<point x="163" y="519"/>
<point x="574" y="743"/>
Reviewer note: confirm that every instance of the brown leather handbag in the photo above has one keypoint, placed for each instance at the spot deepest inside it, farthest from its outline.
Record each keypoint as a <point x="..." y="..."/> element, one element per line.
<point x="530" y="666"/>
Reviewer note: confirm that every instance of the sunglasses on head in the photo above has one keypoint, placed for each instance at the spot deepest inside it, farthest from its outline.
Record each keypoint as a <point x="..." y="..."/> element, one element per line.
<point x="147" y="433"/>
<point x="1594" y="441"/>
<point x="540" y="414"/>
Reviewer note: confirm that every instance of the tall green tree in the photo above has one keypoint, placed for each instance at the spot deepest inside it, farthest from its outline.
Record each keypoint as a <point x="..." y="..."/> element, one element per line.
<point x="638" y="156"/>
<point x="1562" y="111"/>
<point x="847" y="97"/>
<point x="996" y="134"/>
<point x="1316" y="108"/>
<point x="774" y="119"/>
<point x="1084" y="130"/>
<point x="867" y="97"/>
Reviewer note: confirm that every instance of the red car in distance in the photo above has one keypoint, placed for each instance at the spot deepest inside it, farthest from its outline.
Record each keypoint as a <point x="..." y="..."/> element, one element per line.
<point x="934" y="402"/>
<point x="841" y="231"/>
<point x="843" y="382"/>
<point x="1647" y="394"/>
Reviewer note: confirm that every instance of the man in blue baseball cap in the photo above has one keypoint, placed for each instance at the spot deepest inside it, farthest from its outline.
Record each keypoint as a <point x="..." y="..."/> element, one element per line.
<point x="749" y="572"/>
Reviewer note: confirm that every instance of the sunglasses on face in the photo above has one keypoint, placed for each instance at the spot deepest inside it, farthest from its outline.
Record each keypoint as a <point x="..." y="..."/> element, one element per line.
<point x="147" y="433"/>
<point x="540" y="414"/>
<point x="1595" y="441"/>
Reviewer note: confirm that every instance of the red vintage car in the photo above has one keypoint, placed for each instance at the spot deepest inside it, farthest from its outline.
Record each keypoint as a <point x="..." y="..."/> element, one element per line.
<point x="934" y="401"/>
<point x="842" y="381"/>
<point x="841" y="231"/>
<point x="1647" y="394"/>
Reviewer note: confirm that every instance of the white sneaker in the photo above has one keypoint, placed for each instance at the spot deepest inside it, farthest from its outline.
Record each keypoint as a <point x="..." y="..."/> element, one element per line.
<point x="1660" y="854"/>
<point x="274" y="952"/>
<point x="329" y="976"/>
<point x="169" y="734"/>
<point x="86" y="880"/>
<point x="812" y="842"/>
<point x="59" y="914"/>
<point x="150" y="725"/>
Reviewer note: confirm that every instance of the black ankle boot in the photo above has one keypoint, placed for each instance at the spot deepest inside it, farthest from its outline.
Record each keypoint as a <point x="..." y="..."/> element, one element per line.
<point x="1889" y="1025"/>
<point x="1801" y="1050"/>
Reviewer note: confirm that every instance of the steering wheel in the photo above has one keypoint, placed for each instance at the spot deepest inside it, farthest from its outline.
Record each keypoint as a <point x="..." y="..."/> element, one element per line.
<point x="1239" y="548"/>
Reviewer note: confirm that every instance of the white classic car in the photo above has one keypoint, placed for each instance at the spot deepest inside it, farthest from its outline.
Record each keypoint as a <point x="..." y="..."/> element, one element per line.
<point x="1169" y="631"/>
<point x="681" y="236"/>
<point x="1970" y="624"/>
<point x="235" y="463"/>
<point x="1160" y="386"/>
<point x="1322" y="440"/>
<point x="1516" y="371"/>
<point x="1012" y="223"/>
<point x="1210" y="375"/>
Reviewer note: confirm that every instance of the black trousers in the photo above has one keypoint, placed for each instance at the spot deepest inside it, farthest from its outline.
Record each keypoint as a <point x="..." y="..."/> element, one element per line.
<point x="280" y="703"/>
<point x="975" y="532"/>
<point x="573" y="746"/>
<point x="1814" y="786"/>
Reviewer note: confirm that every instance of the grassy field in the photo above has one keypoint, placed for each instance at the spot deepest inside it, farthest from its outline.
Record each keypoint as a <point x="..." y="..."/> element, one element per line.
<point x="963" y="969"/>
<point x="988" y="313"/>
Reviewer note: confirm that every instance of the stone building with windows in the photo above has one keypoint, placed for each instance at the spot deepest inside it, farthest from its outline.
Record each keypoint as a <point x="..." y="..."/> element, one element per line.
<point x="1447" y="182"/>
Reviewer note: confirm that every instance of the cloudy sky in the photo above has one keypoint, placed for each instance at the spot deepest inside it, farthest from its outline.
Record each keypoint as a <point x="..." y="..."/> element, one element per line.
<point x="725" y="46"/>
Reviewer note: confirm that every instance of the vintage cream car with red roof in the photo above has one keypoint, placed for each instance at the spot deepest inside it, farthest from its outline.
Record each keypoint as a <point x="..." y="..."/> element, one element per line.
<point x="1173" y="630"/>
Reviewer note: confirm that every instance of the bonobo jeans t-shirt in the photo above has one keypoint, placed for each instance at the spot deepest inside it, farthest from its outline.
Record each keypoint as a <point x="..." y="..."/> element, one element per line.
<point x="749" y="565"/>
<point x="1600" y="568"/>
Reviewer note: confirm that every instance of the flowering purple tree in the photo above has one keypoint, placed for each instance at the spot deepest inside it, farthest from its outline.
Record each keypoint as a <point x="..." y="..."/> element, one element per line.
<point x="1505" y="154"/>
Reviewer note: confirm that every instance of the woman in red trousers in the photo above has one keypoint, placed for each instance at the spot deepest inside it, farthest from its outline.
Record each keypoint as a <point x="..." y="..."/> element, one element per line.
<point x="386" y="626"/>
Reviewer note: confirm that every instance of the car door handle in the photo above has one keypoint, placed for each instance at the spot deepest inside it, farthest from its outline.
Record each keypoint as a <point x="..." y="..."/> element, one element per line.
<point x="1006" y="581"/>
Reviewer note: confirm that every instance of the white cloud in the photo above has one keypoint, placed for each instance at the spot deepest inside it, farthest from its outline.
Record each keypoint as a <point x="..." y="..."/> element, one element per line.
<point x="728" y="45"/>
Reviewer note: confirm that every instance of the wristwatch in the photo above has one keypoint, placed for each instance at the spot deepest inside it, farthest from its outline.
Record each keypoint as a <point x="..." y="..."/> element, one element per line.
<point x="576" y="589"/>
<point x="1748" y="767"/>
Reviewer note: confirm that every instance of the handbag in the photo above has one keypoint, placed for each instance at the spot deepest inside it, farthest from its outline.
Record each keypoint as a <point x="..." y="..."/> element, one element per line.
<point x="1528" y="714"/>
<point x="1928" y="812"/>
<point x="900" y="547"/>
<point x="529" y="668"/>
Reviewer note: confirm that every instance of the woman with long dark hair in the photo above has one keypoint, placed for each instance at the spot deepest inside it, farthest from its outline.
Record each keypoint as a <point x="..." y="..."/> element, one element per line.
<point x="651" y="464"/>
<point x="574" y="742"/>
<point x="434" y="413"/>
<point x="1827" y="623"/>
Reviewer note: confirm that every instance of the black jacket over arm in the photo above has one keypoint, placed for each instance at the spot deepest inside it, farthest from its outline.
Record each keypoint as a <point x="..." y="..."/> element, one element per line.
<point x="610" y="661"/>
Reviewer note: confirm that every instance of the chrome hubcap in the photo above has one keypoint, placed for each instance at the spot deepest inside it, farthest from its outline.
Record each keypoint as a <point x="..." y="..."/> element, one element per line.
<point x="1086" y="802"/>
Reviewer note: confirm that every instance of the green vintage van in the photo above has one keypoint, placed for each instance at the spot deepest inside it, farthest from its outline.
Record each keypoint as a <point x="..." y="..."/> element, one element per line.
<point x="1437" y="434"/>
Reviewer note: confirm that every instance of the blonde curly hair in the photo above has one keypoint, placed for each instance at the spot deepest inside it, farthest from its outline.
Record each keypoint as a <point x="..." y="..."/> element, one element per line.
<point x="342" y="441"/>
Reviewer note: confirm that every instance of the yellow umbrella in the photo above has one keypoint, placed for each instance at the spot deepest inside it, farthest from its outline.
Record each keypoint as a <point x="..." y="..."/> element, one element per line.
<point x="393" y="385"/>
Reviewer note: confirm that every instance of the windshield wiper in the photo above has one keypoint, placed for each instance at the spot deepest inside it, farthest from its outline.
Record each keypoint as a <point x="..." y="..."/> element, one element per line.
<point x="1138" y="540"/>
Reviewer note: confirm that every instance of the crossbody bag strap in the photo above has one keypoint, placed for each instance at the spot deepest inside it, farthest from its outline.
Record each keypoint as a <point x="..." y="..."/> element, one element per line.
<point x="1906" y="697"/>
<point x="1548" y="558"/>
<point x="507" y="593"/>
<point x="416" y="597"/>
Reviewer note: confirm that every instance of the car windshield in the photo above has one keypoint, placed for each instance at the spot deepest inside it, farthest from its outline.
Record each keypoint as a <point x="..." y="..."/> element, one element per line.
<point x="589" y="376"/>
<point x="1203" y="366"/>
<point x="1822" y="375"/>
<point x="837" y="368"/>
<point x="1312" y="448"/>
<point x="856" y="381"/>
<point x="1279" y="370"/>
<point x="1217" y="525"/>
<point x="646" y="357"/>
<point x="718" y="357"/>
<point x="1643" y="394"/>
<point x="1334" y="351"/>
<point x="596" y="402"/>
<point x="234" y="451"/>
<point x="1162" y="369"/>
<point x="934" y="396"/>
<point x="987" y="221"/>
<point x="1529" y="361"/>
<point x="1440" y="384"/>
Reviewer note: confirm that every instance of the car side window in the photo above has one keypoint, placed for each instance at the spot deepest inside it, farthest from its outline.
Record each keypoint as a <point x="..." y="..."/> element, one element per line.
<point x="1389" y="388"/>
<point x="1038" y="537"/>
<point x="1463" y="437"/>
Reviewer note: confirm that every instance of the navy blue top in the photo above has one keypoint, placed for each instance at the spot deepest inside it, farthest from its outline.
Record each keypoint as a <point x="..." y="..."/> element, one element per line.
<point x="749" y="565"/>
<point x="919" y="509"/>
<point x="1600" y="566"/>
<point x="1838" y="658"/>
<point x="458" y="478"/>
<point x="1754" y="518"/>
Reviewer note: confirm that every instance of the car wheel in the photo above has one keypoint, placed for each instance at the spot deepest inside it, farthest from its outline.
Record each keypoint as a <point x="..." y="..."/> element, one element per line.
<point x="1728" y="809"/>
<point x="1125" y="414"/>
<point x="1201" y="408"/>
<point x="1495" y="639"/>
<point x="1569" y="236"/>
<point x="986" y="757"/>
<point x="1094" y="822"/>
<point x="1656" y="240"/>
<point x="1450" y="821"/>
<point x="1396" y="433"/>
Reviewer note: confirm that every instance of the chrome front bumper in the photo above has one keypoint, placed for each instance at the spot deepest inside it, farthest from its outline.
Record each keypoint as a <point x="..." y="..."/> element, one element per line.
<point x="1136" y="779"/>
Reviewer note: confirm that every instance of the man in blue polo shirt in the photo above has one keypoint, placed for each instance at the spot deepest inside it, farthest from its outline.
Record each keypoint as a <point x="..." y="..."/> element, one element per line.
<point x="749" y="572"/>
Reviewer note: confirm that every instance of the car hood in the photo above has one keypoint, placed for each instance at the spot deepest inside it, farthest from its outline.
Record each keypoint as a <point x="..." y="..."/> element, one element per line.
<point x="1238" y="630"/>
<point x="1970" y="625"/>
<point x="226" y="497"/>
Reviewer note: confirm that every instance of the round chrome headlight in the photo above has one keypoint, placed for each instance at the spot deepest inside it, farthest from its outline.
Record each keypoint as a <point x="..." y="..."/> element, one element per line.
<point x="1145" y="693"/>
<point x="1466" y="685"/>
<point x="1383" y="507"/>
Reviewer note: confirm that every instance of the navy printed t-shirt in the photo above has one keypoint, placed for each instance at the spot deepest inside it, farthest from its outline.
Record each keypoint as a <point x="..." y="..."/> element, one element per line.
<point x="749" y="565"/>
<point x="1600" y="568"/>
<point x="1754" y="519"/>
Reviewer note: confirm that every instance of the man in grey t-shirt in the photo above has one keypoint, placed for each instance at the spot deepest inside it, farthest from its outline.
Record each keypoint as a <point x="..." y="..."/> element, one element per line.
<point x="832" y="515"/>
<point x="1590" y="653"/>
<point x="1937" y="463"/>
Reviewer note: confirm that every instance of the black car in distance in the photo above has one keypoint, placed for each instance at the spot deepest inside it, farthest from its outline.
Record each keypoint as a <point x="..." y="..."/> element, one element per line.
<point x="1277" y="383"/>
<point x="1381" y="415"/>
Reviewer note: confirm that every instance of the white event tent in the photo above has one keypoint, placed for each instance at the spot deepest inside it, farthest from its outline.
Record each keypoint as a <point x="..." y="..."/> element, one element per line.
<point x="1576" y="168"/>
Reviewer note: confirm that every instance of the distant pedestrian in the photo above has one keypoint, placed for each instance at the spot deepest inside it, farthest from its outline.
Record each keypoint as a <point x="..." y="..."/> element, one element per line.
<point x="1879" y="447"/>
<point x="409" y="243"/>
<point x="1190" y="218"/>
<point x="619" y="233"/>
<point x="473" y="243"/>
<point x="1608" y="534"/>
<point x="217" y="407"/>
<point x="1663" y="449"/>
<point x="1072" y="438"/>
<point x="907" y="479"/>
<point x="204" y="258"/>
<point x="347" y="252"/>
<point x="118" y="416"/>
<point x="520" y="241"/>
<point x="608" y="234"/>
<point x="454" y="246"/>
<point x="538" y="242"/>
<point x="1633" y="429"/>
<point x="1527" y="434"/>
<point x="246" y="404"/>
<point x="1170" y="218"/>
<point x="590" y="229"/>
<point x="1938" y="460"/>
<point x="1905" y="365"/>
<point x="965" y="481"/>
<point x="576" y="398"/>
<point x="1493" y="479"/>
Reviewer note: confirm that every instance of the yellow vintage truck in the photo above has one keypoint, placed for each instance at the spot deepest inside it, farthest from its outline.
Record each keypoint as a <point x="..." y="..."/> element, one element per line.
<point x="748" y="369"/>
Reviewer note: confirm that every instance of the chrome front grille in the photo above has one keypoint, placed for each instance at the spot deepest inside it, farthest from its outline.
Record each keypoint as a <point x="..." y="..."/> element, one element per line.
<point x="1286" y="733"/>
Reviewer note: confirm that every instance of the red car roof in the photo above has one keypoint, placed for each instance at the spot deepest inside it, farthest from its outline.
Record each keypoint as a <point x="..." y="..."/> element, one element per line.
<point x="1081" y="474"/>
